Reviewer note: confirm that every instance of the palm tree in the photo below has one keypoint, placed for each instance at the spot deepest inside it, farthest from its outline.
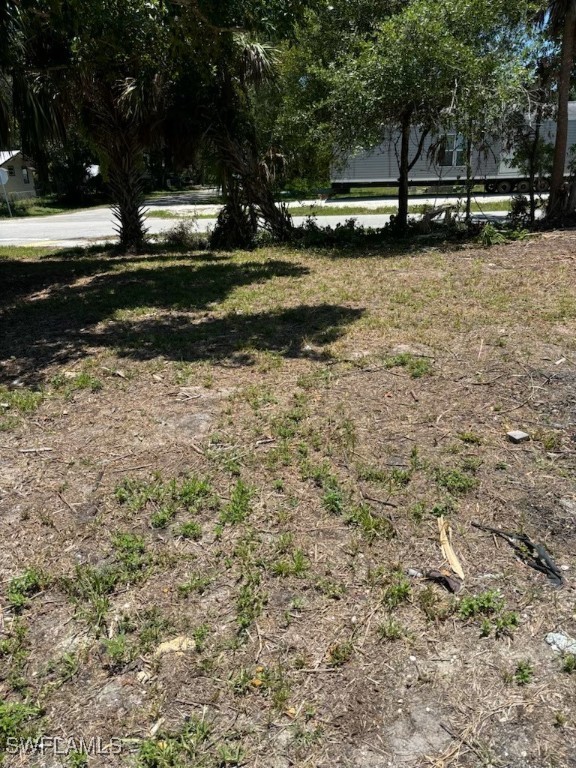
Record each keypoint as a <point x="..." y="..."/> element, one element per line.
<point x="560" y="16"/>
<point x="248" y="169"/>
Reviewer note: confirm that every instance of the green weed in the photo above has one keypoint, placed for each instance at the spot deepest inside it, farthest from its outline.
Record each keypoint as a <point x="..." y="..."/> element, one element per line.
<point x="200" y="634"/>
<point x="238" y="508"/>
<point x="416" y="366"/>
<point x="195" y="583"/>
<point x="15" y="647"/>
<point x="371" y="526"/>
<point x="390" y="630"/>
<point x="339" y="654"/>
<point x="524" y="673"/>
<point x="443" y="508"/>
<point x="250" y="602"/>
<point x="190" y="530"/>
<point x="455" y="481"/>
<point x="332" y="589"/>
<point x="22" y="401"/>
<point x="90" y="588"/>
<point x="333" y="501"/>
<point x="131" y="555"/>
<point x="77" y="759"/>
<point x="490" y="607"/>
<point x="484" y="604"/>
<point x="170" y="750"/>
<point x="417" y="511"/>
<point x="164" y="515"/>
<point x="80" y="381"/>
<point x="17" y="722"/>
<point x="470" y="438"/>
<point x="296" y="565"/>
<point x="397" y="592"/>
<point x="22" y="588"/>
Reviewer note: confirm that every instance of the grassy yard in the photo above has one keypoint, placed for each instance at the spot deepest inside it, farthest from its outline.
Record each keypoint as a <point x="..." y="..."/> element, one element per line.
<point x="220" y="485"/>
<point x="40" y="206"/>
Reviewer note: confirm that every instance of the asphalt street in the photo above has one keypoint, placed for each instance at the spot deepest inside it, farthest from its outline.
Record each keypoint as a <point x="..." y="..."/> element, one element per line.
<point x="97" y="224"/>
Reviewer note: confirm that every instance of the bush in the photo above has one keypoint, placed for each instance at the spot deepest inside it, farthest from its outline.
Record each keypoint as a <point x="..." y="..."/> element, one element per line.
<point x="184" y="236"/>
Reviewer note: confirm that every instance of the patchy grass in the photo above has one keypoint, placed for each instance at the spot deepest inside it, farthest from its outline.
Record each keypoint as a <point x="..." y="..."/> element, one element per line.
<point x="42" y="206"/>
<point x="219" y="484"/>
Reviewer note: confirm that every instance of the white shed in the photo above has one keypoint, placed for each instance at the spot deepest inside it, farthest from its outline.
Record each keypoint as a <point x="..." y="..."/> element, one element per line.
<point x="20" y="182"/>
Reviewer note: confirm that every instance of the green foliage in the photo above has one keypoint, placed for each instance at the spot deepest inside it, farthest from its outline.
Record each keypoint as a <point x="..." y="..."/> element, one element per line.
<point x="15" y="647"/>
<point x="17" y="721"/>
<point x="490" y="607"/>
<point x="70" y="384"/>
<point x="483" y="604"/>
<point x="190" y="530"/>
<point x="23" y="587"/>
<point x="524" y="672"/>
<point x="390" y="630"/>
<point x="131" y="555"/>
<point x="195" y="583"/>
<point x="90" y="589"/>
<point x="333" y="501"/>
<point x="416" y="366"/>
<point x="77" y="760"/>
<point x="397" y="592"/>
<point x="492" y="235"/>
<point x="22" y="400"/>
<point x="371" y="525"/>
<point x="332" y="589"/>
<point x="172" y="750"/>
<point x="167" y="498"/>
<point x="239" y="507"/>
<point x="470" y="438"/>
<point x="339" y="654"/>
<point x="455" y="481"/>
<point x="250" y="602"/>
<point x="296" y="565"/>
<point x="443" y="508"/>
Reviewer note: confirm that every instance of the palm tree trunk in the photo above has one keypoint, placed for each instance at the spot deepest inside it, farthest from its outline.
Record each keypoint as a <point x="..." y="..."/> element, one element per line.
<point x="125" y="182"/>
<point x="127" y="186"/>
<point x="560" y="147"/>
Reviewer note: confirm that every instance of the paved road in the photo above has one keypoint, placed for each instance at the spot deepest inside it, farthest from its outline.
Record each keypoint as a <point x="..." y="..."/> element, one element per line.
<point x="97" y="224"/>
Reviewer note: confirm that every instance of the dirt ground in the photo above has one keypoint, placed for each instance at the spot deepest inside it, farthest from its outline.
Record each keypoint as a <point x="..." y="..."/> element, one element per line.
<point x="220" y="485"/>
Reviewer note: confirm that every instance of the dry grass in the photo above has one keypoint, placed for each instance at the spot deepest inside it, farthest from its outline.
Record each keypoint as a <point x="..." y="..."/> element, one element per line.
<point x="246" y="454"/>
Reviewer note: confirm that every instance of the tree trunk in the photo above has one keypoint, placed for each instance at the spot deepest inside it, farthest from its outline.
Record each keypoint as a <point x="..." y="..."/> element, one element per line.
<point x="533" y="169"/>
<point x="126" y="182"/>
<point x="566" y="62"/>
<point x="249" y="197"/>
<point x="469" y="175"/>
<point x="404" y="169"/>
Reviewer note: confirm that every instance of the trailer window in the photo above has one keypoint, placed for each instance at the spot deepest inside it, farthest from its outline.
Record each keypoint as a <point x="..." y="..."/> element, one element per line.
<point x="453" y="153"/>
<point x="25" y="176"/>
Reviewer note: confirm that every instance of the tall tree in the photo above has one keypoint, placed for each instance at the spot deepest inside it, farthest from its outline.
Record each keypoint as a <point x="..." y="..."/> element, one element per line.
<point x="428" y="65"/>
<point x="560" y="16"/>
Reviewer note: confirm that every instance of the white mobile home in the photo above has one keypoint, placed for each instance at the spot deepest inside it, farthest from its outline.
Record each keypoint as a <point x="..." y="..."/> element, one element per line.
<point x="491" y="166"/>
<point x="20" y="182"/>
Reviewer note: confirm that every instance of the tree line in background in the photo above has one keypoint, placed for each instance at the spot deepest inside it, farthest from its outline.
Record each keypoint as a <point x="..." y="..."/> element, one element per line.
<point x="270" y="91"/>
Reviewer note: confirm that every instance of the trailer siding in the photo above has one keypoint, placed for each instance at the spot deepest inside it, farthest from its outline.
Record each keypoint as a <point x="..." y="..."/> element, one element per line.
<point x="381" y="164"/>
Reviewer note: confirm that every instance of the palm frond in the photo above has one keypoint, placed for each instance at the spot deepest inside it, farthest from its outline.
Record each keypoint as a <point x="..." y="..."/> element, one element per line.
<point x="257" y="61"/>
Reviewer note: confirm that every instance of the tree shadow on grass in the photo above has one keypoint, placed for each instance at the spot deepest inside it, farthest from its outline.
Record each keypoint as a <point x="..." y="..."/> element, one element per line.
<point x="59" y="311"/>
<point x="234" y="338"/>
